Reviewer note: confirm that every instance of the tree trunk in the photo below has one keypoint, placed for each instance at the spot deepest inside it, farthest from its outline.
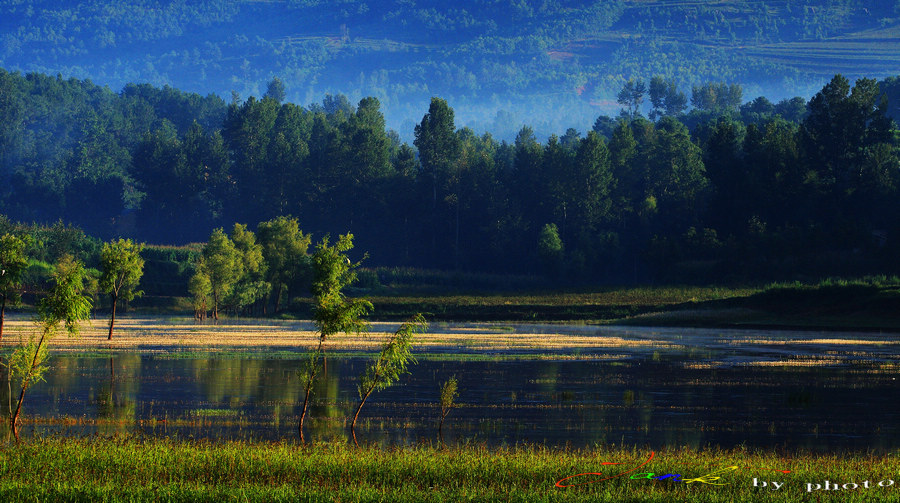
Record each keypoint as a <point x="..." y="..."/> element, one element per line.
<point x="277" y="299"/>
<point x="112" y="319"/>
<point x="15" y="418"/>
<point x="303" y="411"/>
<point x="361" y="403"/>
<point x="355" y="416"/>
<point x="309" y="385"/>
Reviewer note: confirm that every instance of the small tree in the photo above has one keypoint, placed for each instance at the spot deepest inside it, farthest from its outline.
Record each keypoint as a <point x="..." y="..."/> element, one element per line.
<point x="449" y="392"/>
<point x="550" y="249"/>
<point x="333" y="313"/>
<point x="66" y="304"/>
<point x="12" y="266"/>
<point x="332" y="271"/>
<point x="201" y="292"/>
<point x="387" y="368"/>
<point x="122" y="270"/>
<point x="222" y="265"/>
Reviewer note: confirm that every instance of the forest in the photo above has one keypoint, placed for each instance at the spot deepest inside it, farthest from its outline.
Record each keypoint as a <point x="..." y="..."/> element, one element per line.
<point x="723" y="189"/>
<point x="552" y="64"/>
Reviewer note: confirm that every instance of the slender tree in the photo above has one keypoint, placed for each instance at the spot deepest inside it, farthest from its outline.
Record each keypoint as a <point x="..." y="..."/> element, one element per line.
<point x="65" y="304"/>
<point x="333" y="312"/>
<point x="386" y="369"/>
<point x="122" y="270"/>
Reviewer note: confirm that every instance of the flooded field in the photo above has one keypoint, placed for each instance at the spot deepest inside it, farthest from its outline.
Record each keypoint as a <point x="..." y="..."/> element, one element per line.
<point x="541" y="384"/>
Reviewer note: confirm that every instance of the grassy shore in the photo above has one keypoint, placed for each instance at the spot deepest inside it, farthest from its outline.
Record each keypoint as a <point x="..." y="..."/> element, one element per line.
<point x="168" y="470"/>
<point x="871" y="303"/>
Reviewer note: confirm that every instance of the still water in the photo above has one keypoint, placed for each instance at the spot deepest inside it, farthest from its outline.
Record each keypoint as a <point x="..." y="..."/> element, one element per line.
<point x="822" y="392"/>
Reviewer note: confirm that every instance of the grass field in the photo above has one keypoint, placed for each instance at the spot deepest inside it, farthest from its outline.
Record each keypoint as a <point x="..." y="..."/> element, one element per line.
<point x="116" y="469"/>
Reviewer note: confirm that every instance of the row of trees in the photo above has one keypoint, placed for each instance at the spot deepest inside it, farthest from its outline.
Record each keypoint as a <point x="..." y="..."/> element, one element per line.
<point x="743" y="188"/>
<point x="67" y="303"/>
<point x="246" y="270"/>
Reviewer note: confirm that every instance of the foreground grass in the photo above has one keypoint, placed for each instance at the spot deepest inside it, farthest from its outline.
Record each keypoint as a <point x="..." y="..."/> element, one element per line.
<point x="168" y="470"/>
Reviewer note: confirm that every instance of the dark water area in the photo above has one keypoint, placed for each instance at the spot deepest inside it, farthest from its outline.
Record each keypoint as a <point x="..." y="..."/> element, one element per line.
<point x="768" y="391"/>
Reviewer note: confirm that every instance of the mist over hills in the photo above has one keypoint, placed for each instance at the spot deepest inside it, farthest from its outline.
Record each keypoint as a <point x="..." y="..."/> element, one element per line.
<point x="500" y="63"/>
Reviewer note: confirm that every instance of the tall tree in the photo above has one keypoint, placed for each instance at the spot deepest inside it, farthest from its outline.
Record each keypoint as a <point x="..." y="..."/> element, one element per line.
<point x="665" y="98"/>
<point x="122" y="267"/>
<point x="275" y="90"/>
<point x="248" y="134"/>
<point x="676" y="176"/>
<point x="843" y="126"/>
<point x="438" y="149"/>
<point x="593" y="183"/>
<point x="631" y="96"/>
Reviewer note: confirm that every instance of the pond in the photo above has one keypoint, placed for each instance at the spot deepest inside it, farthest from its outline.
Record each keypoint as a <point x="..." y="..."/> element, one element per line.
<point x="644" y="387"/>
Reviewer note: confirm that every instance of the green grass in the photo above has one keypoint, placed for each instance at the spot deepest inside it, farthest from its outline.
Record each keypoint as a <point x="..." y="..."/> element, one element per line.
<point x="167" y="470"/>
<point x="600" y="305"/>
<point x="867" y="303"/>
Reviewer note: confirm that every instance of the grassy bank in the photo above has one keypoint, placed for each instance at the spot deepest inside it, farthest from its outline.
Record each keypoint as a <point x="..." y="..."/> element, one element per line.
<point x="869" y="303"/>
<point x="168" y="470"/>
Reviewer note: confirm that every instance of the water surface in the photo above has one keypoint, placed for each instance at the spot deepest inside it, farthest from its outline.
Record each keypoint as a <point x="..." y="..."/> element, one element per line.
<point x="645" y="387"/>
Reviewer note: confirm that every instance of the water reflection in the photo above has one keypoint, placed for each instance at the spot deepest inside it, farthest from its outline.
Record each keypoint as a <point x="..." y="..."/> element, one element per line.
<point x="705" y="390"/>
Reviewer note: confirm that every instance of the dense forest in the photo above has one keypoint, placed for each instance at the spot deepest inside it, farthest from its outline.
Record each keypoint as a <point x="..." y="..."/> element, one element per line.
<point x="697" y="184"/>
<point x="552" y="64"/>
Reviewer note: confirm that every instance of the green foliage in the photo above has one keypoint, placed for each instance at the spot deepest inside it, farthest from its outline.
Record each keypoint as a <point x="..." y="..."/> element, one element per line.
<point x="65" y="301"/>
<point x="222" y="265"/>
<point x="250" y="286"/>
<point x="122" y="267"/>
<point x="28" y="362"/>
<point x="550" y="247"/>
<point x="201" y="294"/>
<point x="449" y="393"/>
<point x="13" y="264"/>
<point x="392" y="362"/>
<point x="284" y="248"/>
<point x="333" y="312"/>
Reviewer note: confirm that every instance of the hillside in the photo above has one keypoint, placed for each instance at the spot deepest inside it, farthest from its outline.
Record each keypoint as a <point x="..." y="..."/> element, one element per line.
<point x="502" y="63"/>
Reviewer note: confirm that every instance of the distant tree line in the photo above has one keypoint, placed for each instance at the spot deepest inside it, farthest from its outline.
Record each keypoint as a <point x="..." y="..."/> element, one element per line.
<point x="552" y="57"/>
<point x="723" y="190"/>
